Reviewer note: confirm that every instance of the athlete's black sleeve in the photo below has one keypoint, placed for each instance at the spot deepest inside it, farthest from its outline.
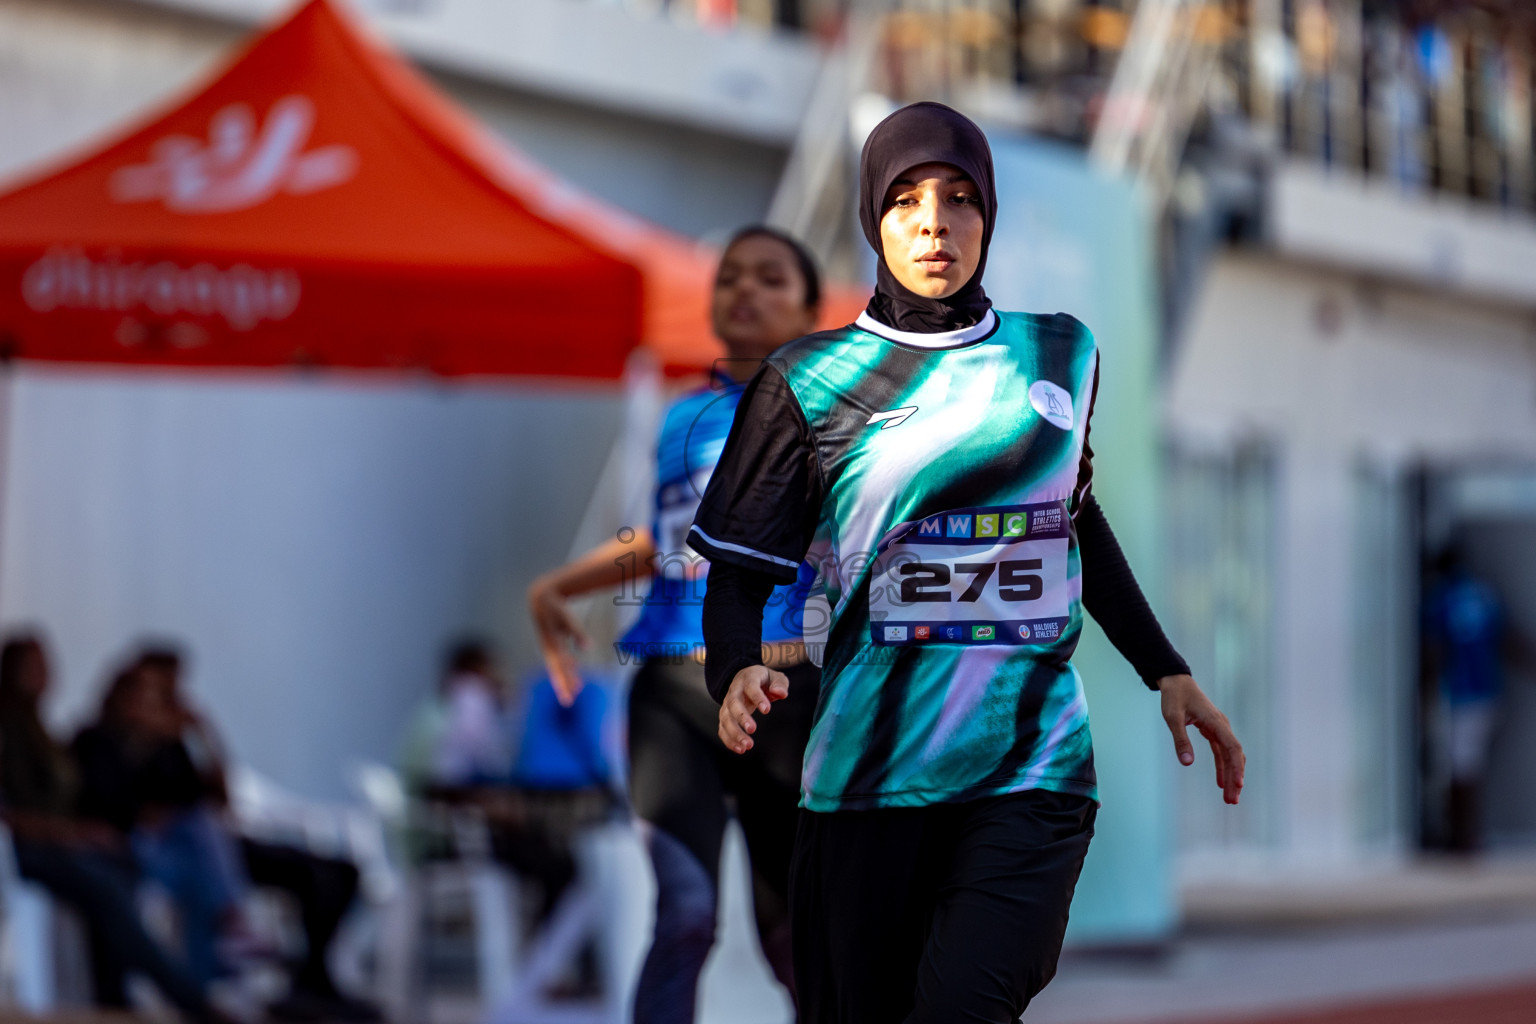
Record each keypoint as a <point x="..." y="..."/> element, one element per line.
<point x="1110" y="591"/>
<point x="755" y="522"/>
<point x="1085" y="461"/>
<point x="1114" y="599"/>
<point x="733" y="623"/>
<point x="760" y="509"/>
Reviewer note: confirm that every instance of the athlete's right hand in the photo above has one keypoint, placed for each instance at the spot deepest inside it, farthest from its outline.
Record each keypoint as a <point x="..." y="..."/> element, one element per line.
<point x="559" y="636"/>
<point x="754" y="689"/>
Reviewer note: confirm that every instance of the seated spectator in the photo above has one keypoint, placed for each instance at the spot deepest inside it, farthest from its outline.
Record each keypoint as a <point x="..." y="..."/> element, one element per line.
<point x="138" y="777"/>
<point x="83" y="864"/>
<point x="561" y="775"/>
<point x="156" y="770"/>
<point x="461" y="752"/>
<point x="562" y="745"/>
<point x="533" y="769"/>
<point x="473" y="748"/>
<point x="323" y="887"/>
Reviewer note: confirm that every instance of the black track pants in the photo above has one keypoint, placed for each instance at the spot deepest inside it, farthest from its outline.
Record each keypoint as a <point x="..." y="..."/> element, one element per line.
<point x="951" y="913"/>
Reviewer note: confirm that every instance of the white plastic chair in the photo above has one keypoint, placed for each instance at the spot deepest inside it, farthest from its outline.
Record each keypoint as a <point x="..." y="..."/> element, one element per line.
<point x="609" y="902"/>
<point x="472" y="881"/>
<point x="360" y="833"/>
<point x="43" y="951"/>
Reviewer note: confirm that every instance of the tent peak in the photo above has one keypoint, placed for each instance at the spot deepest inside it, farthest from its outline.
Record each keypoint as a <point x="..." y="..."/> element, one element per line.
<point x="315" y="202"/>
<point x="248" y="157"/>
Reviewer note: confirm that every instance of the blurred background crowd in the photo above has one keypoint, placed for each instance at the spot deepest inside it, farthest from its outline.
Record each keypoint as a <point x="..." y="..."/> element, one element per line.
<point x="327" y="328"/>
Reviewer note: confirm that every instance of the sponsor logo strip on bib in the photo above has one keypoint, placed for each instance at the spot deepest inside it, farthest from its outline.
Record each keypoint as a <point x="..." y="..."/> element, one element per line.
<point x="991" y="575"/>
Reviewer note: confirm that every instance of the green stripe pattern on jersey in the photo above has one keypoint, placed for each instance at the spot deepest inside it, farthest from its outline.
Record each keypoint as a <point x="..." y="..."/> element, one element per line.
<point x="963" y="699"/>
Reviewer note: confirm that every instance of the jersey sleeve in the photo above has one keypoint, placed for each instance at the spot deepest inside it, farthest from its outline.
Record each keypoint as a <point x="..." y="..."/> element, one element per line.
<point x="1116" y="601"/>
<point x="760" y="509"/>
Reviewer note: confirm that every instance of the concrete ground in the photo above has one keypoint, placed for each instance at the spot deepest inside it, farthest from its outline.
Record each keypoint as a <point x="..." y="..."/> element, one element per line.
<point x="1396" y="891"/>
<point x="1428" y="941"/>
<point x="1515" y="1005"/>
<point x="1226" y="975"/>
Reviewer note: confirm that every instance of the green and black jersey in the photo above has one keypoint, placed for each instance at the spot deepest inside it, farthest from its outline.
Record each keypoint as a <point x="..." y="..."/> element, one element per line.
<point x="932" y="479"/>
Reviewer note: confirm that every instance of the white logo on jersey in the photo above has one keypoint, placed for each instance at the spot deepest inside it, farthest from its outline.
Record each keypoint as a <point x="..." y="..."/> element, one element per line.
<point x="1051" y="402"/>
<point x="241" y="165"/>
<point x="894" y="418"/>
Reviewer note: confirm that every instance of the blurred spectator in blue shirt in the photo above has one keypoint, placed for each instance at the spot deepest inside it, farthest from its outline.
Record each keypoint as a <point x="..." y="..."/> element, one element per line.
<point x="534" y="771"/>
<point x="562" y="747"/>
<point x="1467" y="639"/>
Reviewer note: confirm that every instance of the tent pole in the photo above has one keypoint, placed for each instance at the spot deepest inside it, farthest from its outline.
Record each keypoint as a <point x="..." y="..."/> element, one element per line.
<point x="624" y="484"/>
<point x="7" y="399"/>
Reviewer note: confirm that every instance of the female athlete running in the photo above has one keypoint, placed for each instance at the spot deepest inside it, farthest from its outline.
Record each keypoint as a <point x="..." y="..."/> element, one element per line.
<point x="767" y="292"/>
<point x="932" y="458"/>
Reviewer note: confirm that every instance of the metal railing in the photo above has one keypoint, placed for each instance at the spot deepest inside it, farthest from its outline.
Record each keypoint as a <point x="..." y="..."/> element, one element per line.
<point x="814" y="197"/>
<point x="1157" y="92"/>
<point x="796" y="15"/>
<point x="1440" y="100"/>
<point x="1442" y="104"/>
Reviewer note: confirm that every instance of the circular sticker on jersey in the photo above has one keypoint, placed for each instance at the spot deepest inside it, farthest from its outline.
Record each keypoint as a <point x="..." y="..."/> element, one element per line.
<point x="995" y="575"/>
<point x="1052" y="402"/>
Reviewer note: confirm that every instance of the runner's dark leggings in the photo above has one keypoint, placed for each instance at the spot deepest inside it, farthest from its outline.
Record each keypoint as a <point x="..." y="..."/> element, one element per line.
<point x="945" y="914"/>
<point x="683" y="782"/>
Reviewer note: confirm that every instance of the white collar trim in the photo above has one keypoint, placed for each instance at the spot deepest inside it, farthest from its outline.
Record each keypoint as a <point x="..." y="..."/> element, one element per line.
<point x="946" y="339"/>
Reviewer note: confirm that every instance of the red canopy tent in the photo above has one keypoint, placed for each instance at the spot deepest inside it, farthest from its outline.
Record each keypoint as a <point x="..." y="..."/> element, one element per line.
<point x="319" y="203"/>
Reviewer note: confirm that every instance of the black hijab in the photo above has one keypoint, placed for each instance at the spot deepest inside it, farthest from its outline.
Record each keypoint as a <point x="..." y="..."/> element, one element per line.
<point x="918" y="134"/>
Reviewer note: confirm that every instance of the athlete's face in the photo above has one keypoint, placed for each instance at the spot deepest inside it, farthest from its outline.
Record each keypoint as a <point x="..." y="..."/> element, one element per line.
<point x="759" y="298"/>
<point x="931" y="229"/>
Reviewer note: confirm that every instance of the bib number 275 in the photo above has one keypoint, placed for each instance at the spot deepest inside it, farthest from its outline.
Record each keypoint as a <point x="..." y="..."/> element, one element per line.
<point x="1012" y="581"/>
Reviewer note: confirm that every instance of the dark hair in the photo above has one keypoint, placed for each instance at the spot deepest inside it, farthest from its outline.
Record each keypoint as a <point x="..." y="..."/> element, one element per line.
<point x="18" y="647"/>
<point x="26" y="739"/>
<point x="119" y="690"/>
<point x="469" y="655"/>
<point x="1450" y="558"/>
<point x="165" y="657"/>
<point x="803" y="258"/>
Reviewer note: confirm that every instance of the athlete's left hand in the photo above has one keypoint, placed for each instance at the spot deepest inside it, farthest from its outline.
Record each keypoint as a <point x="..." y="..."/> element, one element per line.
<point x="1185" y="704"/>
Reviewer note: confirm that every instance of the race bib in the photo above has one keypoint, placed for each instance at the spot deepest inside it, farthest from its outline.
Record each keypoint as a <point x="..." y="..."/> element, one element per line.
<point x="973" y="576"/>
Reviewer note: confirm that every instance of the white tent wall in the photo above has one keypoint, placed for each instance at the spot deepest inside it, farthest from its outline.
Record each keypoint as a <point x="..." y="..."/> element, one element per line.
<point x="313" y="542"/>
